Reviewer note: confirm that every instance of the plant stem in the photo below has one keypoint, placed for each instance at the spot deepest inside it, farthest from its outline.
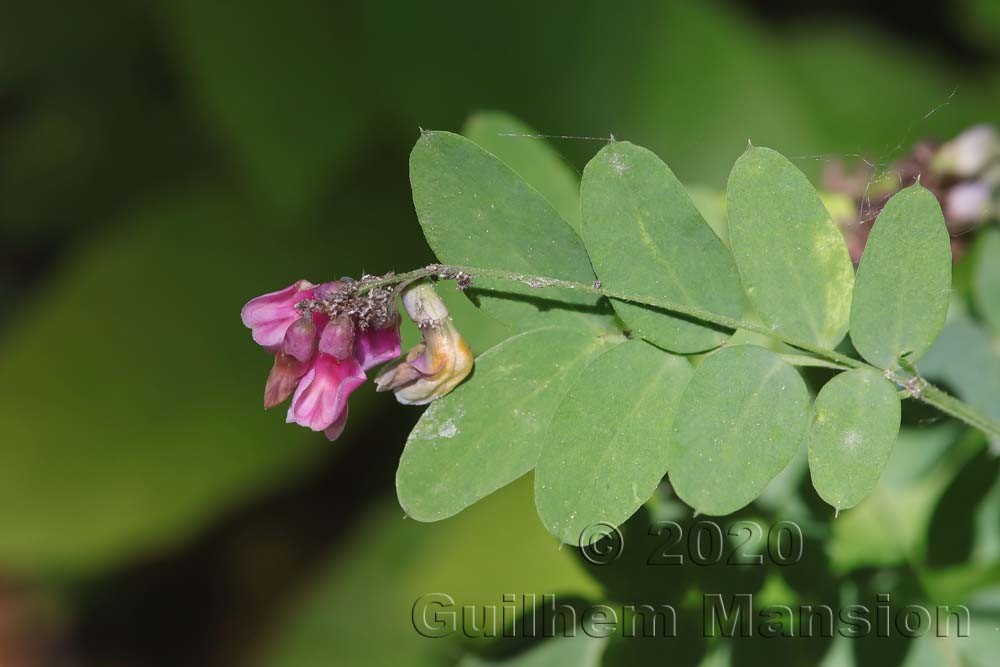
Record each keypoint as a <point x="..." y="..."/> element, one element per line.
<point x="920" y="389"/>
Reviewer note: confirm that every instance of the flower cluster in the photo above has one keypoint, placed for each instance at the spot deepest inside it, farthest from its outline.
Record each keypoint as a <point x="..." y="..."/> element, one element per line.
<point x="964" y="174"/>
<point x="325" y="337"/>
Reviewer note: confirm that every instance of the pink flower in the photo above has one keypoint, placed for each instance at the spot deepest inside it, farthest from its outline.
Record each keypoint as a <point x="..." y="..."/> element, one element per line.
<point x="269" y="316"/>
<point x="323" y="339"/>
<point x="968" y="203"/>
<point x="377" y="346"/>
<point x="320" y="401"/>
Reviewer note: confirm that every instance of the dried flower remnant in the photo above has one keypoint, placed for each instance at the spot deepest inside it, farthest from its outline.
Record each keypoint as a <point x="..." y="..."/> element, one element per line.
<point x="437" y="365"/>
<point x="323" y="339"/>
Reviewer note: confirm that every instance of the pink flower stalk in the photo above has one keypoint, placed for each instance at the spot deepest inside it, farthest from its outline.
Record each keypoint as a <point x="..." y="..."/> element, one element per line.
<point x="320" y="353"/>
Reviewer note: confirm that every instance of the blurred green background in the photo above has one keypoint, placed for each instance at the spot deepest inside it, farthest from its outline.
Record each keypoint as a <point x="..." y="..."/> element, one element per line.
<point x="161" y="163"/>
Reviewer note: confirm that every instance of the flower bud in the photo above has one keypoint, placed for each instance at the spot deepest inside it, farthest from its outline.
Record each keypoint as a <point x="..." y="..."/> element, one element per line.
<point x="300" y="339"/>
<point x="432" y="368"/>
<point x="969" y="153"/>
<point x="326" y="290"/>
<point x="337" y="339"/>
<point x="377" y="345"/>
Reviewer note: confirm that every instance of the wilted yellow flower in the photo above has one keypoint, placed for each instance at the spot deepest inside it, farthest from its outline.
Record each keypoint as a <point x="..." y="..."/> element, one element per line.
<point x="437" y="365"/>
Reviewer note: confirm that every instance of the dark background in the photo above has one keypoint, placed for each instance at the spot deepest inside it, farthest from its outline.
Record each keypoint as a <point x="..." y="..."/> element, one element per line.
<point x="162" y="163"/>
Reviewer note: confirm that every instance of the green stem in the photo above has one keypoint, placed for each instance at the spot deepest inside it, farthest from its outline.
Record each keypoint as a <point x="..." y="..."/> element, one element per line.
<point x="920" y="389"/>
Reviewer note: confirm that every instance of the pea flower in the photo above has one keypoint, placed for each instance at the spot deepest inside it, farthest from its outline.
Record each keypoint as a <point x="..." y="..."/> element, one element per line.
<point x="970" y="153"/>
<point x="437" y="365"/>
<point x="969" y="203"/>
<point x="323" y="339"/>
<point x="320" y="401"/>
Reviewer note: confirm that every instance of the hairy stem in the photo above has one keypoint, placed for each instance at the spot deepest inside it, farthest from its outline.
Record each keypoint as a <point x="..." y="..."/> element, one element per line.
<point x="915" y="387"/>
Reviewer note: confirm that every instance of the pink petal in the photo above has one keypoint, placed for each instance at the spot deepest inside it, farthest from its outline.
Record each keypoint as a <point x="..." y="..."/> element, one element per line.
<point x="333" y="431"/>
<point x="377" y="346"/>
<point x="268" y="316"/>
<point x="283" y="379"/>
<point x="321" y="396"/>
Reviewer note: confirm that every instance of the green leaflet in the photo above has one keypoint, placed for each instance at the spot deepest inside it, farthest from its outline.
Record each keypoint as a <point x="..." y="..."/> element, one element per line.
<point x="605" y="450"/>
<point x="904" y="280"/>
<point x="791" y="257"/>
<point x="476" y="211"/>
<point x="488" y="432"/>
<point x="645" y="237"/>
<point x="740" y="421"/>
<point x="531" y="157"/>
<point x="986" y="277"/>
<point x="855" y="423"/>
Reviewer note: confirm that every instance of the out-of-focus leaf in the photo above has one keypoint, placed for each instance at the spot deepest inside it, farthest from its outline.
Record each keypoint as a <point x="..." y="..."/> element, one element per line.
<point x="99" y="36"/>
<point x="890" y="526"/>
<point x="280" y="83"/>
<point x="967" y="359"/>
<point x="986" y="277"/>
<point x="978" y="647"/>
<point x="855" y="423"/>
<point x="958" y="516"/>
<point x="360" y="609"/>
<point x="131" y="390"/>
<point x="581" y="650"/>
<point x="904" y="281"/>
<point x="740" y="421"/>
<point x="981" y="20"/>
<point x="72" y="161"/>
<point x="531" y="157"/>
<point x="645" y="237"/>
<point x="488" y="432"/>
<point x="711" y="204"/>
<point x="476" y="211"/>
<point x="986" y="547"/>
<point x="792" y="258"/>
<point x="605" y="449"/>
